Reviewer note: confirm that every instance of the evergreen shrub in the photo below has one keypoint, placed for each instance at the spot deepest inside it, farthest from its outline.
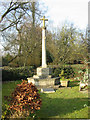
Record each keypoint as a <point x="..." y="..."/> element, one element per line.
<point x="68" y="72"/>
<point x="11" y="74"/>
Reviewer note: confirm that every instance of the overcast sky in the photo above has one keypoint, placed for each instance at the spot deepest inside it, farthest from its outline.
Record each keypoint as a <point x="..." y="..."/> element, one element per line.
<point x="74" y="11"/>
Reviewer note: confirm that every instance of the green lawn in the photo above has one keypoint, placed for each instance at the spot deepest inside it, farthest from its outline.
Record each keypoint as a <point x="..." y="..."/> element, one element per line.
<point x="64" y="103"/>
<point x="7" y="88"/>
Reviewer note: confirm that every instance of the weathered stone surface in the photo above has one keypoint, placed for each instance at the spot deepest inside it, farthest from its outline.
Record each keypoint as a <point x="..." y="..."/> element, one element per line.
<point x="44" y="65"/>
<point x="43" y="82"/>
<point x="47" y="90"/>
<point x="46" y="82"/>
<point x="31" y="80"/>
<point x="37" y="77"/>
<point x="42" y="71"/>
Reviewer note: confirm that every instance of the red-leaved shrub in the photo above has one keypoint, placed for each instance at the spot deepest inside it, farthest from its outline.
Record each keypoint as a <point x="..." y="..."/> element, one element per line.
<point x="25" y="98"/>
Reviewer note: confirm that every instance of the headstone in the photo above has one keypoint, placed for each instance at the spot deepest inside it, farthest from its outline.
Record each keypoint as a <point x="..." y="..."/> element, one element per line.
<point x="47" y="90"/>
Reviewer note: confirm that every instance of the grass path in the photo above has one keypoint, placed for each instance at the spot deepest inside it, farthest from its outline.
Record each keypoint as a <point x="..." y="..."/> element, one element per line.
<point x="64" y="103"/>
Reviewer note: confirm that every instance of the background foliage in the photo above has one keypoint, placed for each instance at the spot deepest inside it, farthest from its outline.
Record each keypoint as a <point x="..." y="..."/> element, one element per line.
<point x="10" y="74"/>
<point x="23" y="33"/>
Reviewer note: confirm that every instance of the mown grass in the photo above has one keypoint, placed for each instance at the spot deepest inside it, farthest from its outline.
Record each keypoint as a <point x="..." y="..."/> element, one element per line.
<point x="7" y="88"/>
<point x="64" y="103"/>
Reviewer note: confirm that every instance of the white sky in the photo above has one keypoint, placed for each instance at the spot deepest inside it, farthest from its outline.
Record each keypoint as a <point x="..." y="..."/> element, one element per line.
<point x="74" y="11"/>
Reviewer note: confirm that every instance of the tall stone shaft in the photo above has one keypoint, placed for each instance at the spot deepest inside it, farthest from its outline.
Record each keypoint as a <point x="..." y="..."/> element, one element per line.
<point x="44" y="65"/>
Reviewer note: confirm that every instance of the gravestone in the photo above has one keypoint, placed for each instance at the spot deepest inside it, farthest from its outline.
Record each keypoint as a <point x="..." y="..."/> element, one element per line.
<point x="47" y="90"/>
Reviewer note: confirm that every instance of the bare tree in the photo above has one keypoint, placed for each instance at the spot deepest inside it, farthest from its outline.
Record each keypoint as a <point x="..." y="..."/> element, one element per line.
<point x="71" y="44"/>
<point x="28" y="9"/>
<point x="17" y="16"/>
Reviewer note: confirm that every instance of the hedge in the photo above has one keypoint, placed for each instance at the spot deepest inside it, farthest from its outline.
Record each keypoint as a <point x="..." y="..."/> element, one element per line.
<point x="68" y="71"/>
<point x="11" y="74"/>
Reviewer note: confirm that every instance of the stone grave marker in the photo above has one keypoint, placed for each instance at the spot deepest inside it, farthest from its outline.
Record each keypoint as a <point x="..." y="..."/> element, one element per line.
<point x="47" y="90"/>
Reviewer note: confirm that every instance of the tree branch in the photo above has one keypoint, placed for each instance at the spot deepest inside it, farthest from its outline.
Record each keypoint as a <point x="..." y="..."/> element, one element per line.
<point x="11" y="8"/>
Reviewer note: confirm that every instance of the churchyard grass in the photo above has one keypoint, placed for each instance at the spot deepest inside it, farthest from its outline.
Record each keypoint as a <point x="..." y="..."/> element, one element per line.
<point x="64" y="103"/>
<point x="8" y="87"/>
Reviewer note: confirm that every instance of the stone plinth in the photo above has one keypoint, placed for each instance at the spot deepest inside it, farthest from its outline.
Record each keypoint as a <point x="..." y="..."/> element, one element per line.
<point x="42" y="73"/>
<point x="43" y="82"/>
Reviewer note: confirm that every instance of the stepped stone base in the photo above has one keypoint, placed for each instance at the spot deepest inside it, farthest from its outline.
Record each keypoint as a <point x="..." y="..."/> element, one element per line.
<point x="44" y="82"/>
<point x="43" y="78"/>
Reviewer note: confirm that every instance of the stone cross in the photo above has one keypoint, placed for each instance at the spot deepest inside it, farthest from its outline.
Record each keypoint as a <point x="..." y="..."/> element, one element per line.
<point x="44" y="65"/>
<point x="44" y="21"/>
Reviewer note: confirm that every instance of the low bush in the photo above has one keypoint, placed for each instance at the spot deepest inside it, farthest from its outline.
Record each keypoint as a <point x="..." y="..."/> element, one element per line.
<point x="56" y="72"/>
<point x="24" y="101"/>
<point x="68" y="71"/>
<point x="10" y="74"/>
<point x="5" y="111"/>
